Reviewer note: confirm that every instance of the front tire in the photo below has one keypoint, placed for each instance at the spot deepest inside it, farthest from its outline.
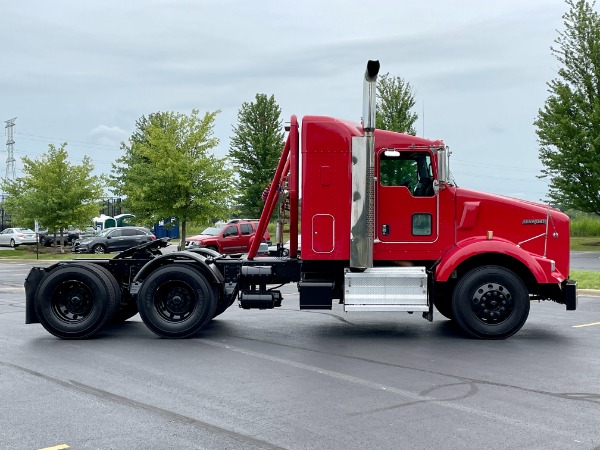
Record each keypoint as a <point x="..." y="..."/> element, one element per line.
<point x="176" y="301"/>
<point x="13" y="243"/>
<point x="76" y="301"/>
<point x="99" y="249"/>
<point x="490" y="302"/>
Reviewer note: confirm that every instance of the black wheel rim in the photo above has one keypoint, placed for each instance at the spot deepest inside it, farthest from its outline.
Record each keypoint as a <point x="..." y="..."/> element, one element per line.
<point x="72" y="302"/>
<point x="175" y="301"/>
<point x="492" y="303"/>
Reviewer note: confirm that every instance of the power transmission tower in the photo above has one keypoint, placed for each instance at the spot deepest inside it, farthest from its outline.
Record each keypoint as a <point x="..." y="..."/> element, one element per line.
<point x="10" y="147"/>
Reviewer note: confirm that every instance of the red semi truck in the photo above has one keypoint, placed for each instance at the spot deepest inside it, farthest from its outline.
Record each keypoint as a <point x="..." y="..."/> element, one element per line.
<point x="383" y="229"/>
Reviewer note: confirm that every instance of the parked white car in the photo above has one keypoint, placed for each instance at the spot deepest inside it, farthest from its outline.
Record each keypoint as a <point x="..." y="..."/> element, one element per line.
<point x="17" y="236"/>
<point x="286" y="248"/>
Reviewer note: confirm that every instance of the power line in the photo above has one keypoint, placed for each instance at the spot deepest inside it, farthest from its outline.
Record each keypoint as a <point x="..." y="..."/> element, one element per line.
<point x="492" y="177"/>
<point x="71" y="159"/>
<point x="491" y="165"/>
<point x="90" y="145"/>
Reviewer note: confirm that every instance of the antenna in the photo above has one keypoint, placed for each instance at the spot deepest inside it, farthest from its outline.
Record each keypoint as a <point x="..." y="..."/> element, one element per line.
<point x="10" y="147"/>
<point x="423" y="117"/>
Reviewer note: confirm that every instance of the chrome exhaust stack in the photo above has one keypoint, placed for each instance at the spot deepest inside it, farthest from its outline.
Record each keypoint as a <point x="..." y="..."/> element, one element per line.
<point x="370" y="96"/>
<point x="363" y="160"/>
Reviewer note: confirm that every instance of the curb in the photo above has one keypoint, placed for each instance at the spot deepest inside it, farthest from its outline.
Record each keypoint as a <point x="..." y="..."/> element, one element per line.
<point x="588" y="292"/>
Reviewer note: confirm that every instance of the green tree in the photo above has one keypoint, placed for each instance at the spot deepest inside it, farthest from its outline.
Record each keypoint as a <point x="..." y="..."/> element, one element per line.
<point x="568" y="126"/>
<point x="255" y="148"/>
<point x="395" y="99"/>
<point x="53" y="191"/>
<point x="167" y="170"/>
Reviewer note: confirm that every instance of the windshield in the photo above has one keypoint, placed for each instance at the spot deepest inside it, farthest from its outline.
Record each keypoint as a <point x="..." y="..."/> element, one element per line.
<point x="212" y="231"/>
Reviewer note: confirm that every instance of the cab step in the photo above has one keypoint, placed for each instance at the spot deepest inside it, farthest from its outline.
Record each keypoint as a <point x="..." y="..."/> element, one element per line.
<point x="386" y="289"/>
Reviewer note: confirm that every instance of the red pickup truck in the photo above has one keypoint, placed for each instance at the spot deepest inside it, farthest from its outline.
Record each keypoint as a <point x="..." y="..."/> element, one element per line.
<point x="232" y="237"/>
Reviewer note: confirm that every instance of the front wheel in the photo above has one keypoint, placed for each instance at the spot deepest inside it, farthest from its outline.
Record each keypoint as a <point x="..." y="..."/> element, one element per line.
<point x="99" y="249"/>
<point x="490" y="302"/>
<point x="176" y="301"/>
<point x="12" y="243"/>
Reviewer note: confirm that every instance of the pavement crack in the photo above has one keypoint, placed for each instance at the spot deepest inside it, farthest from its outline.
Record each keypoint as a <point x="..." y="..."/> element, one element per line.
<point x="473" y="382"/>
<point x="169" y="415"/>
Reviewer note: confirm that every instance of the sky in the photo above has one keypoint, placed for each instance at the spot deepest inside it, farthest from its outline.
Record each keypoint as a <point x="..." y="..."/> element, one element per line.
<point x="83" y="72"/>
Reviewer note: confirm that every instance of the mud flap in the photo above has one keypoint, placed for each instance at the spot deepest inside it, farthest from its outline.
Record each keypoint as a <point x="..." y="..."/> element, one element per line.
<point x="570" y="294"/>
<point x="33" y="280"/>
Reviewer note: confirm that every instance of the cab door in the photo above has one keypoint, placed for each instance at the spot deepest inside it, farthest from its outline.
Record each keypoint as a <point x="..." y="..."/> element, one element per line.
<point x="232" y="241"/>
<point x="115" y="241"/>
<point x="407" y="207"/>
<point x="247" y="231"/>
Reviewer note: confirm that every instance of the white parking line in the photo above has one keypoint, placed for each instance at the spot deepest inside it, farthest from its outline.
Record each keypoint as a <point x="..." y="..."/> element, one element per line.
<point x="586" y="325"/>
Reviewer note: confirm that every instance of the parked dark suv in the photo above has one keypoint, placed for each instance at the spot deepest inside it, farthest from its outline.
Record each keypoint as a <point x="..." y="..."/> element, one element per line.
<point x="113" y="240"/>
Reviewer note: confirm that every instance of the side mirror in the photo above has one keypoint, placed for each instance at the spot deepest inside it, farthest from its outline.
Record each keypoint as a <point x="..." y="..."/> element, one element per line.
<point x="442" y="159"/>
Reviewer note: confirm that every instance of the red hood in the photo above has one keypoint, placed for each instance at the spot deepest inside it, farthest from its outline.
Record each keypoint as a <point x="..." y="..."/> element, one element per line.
<point x="201" y="237"/>
<point x="520" y="221"/>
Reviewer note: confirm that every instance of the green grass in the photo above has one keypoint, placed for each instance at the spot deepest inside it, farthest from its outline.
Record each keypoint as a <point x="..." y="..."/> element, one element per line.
<point x="586" y="279"/>
<point x="585" y="243"/>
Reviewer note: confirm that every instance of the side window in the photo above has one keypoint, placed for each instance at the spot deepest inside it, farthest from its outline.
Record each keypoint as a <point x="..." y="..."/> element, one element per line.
<point x="230" y="231"/>
<point x="246" y="229"/>
<point x="409" y="169"/>
<point x="116" y="233"/>
<point x="398" y="172"/>
<point x="421" y="224"/>
<point x="129" y="232"/>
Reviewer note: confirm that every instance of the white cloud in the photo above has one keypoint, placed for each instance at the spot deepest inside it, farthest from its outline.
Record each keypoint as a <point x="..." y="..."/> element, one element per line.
<point x="108" y="135"/>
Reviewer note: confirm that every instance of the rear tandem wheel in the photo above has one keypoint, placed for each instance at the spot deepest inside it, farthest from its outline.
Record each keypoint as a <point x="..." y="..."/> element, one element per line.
<point x="76" y="301"/>
<point x="176" y="301"/>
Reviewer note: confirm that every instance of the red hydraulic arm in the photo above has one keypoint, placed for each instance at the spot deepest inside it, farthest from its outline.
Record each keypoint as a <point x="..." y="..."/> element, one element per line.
<point x="290" y="150"/>
<point x="294" y="155"/>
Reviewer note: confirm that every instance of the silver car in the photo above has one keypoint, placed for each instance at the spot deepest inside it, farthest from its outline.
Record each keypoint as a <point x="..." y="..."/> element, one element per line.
<point x="17" y="236"/>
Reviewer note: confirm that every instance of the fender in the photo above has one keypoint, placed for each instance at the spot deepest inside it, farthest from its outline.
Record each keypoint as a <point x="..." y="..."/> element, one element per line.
<point x="213" y="242"/>
<point x="480" y="245"/>
<point x="209" y="269"/>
